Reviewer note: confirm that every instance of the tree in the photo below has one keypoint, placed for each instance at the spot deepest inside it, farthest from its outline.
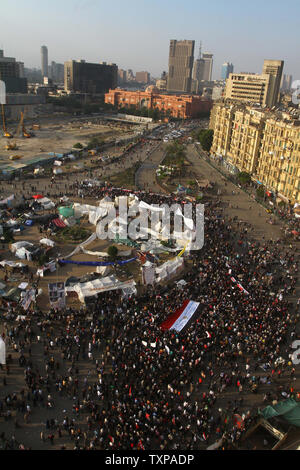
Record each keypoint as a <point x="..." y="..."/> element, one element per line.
<point x="260" y="192"/>
<point x="78" y="146"/>
<point x="244" y="177"/>
<point x="95" y="142"/>
<point x="206" y="138"/>
<point x="112" y="251"/>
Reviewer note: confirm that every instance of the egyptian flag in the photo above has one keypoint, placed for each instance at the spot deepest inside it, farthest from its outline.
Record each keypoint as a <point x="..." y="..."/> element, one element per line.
<point x="242" y="289"/>
<point x="179" y="319"/>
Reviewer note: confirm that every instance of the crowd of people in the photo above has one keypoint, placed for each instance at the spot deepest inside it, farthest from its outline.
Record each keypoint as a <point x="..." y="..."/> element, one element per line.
<point x="133" y="386"/>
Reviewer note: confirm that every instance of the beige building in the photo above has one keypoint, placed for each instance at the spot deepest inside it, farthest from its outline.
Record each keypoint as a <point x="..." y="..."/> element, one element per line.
<point x="263" y="143"/>
<point x="256" y="89"/>
<point x="274" y="68"/>
<point x="223" y="116"/>
<point x="246" y="135"/>
<point x="237" y="135"/>
<point x="248" y="88"/>
<point x="279" y="162"/>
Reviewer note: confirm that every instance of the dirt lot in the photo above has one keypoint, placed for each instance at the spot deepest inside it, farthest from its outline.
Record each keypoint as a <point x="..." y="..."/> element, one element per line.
<point x="60" y="138"/>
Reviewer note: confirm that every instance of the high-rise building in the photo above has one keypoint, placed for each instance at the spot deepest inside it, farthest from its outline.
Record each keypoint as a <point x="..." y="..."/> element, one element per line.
<point x="181" y="59"/>
<point x="142" y="77"/>
<point x="56" y="72"/>
<point x="286" y="82"/>
<point x="122" y="76"/>
<point x="11" y="74"/>
<point x="274" y="68"/>
<point x="84" y="77"/>
<point x="208" y="66"/>
<point x="44" y="61"/>
<point x="227" y="69"/>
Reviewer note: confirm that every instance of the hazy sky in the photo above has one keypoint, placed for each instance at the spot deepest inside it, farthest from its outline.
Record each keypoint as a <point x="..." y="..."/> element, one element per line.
<point x="136" y="33"/>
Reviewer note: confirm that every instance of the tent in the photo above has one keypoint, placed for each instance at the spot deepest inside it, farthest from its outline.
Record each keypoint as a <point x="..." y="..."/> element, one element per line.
<point x="18" y="245"/>
<point x="59" y="223"/>
<point x="97" y="286"/>
<point x="287" y="409"/>
<point x="47" y="241"/>
<point x="66" y="211"/>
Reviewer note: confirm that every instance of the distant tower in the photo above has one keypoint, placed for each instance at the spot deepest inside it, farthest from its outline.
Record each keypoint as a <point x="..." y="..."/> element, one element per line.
<point x="227" y="69"/>
<point x="44" y="61"/>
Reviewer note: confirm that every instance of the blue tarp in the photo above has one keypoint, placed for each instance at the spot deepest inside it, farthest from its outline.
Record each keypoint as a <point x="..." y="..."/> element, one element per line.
<point x="97" y="263"/>
<point x="29" y="223"/>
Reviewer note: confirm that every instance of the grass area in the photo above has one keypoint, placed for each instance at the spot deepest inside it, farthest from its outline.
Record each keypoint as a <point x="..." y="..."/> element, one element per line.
<point x="72" y="234"/>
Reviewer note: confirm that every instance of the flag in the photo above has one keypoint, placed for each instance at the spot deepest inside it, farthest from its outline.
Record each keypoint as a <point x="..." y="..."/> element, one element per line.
<point x="2" y="351"/>
<point x="179" y="319"/>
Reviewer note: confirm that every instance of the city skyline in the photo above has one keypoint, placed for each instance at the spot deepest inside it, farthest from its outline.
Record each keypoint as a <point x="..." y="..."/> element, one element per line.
<point x="230" y="32"/>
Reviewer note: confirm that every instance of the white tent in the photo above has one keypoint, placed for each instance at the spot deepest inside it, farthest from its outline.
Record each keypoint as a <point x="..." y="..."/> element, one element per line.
<point x="97" y="286"/>
<point x="2" y="352"/>
<point x="18" y="245"/>
<point x="47" y="241"/>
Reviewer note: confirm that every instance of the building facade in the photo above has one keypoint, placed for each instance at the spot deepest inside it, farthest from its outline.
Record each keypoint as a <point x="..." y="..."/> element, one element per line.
<point x="181" y="60"/>
<point x="254" y="88"/>
<point x="279" y="163"/>
<point x="248" y="88"/>
<point x="265" y="144"/>
<point x="84" y="77"/>
<point x="179" y="106"/>
<point x="11" y="74"/>
<point x="142" y="77"/>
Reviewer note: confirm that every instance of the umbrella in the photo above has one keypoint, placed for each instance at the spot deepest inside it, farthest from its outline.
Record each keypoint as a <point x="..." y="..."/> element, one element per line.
<point x="37" y="196"/>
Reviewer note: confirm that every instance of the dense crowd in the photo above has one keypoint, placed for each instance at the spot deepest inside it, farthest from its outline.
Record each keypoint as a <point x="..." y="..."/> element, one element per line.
<point x="146" y="388"/>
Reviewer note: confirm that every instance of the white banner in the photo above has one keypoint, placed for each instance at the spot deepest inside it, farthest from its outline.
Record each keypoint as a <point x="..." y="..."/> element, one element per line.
<point x="2" y="352"/>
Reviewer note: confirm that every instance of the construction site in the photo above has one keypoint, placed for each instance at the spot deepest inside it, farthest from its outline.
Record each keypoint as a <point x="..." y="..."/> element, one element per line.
<point x="27" y="142"/>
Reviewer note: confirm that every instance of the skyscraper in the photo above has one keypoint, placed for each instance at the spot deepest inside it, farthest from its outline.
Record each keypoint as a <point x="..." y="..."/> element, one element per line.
<point x="227" y="68"/>
<point x="181" y="59"/>
<point x="208" y="66"/>
<point x="274" y="68"/>
<point x="286" y="82"/>
<point x="44" y="61"/>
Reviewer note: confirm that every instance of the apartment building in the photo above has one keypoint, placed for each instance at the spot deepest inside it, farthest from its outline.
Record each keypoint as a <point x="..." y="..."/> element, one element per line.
<point x="246" y="135"/>
<point x="263" y="143"/>
<point x="279" y="162"/>
<point x="223" y="116"/>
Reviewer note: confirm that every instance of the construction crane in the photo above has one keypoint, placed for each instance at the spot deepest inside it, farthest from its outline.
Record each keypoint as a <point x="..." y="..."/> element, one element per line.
<point x="24" y="132"/>
<point x="7" y="134"/>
